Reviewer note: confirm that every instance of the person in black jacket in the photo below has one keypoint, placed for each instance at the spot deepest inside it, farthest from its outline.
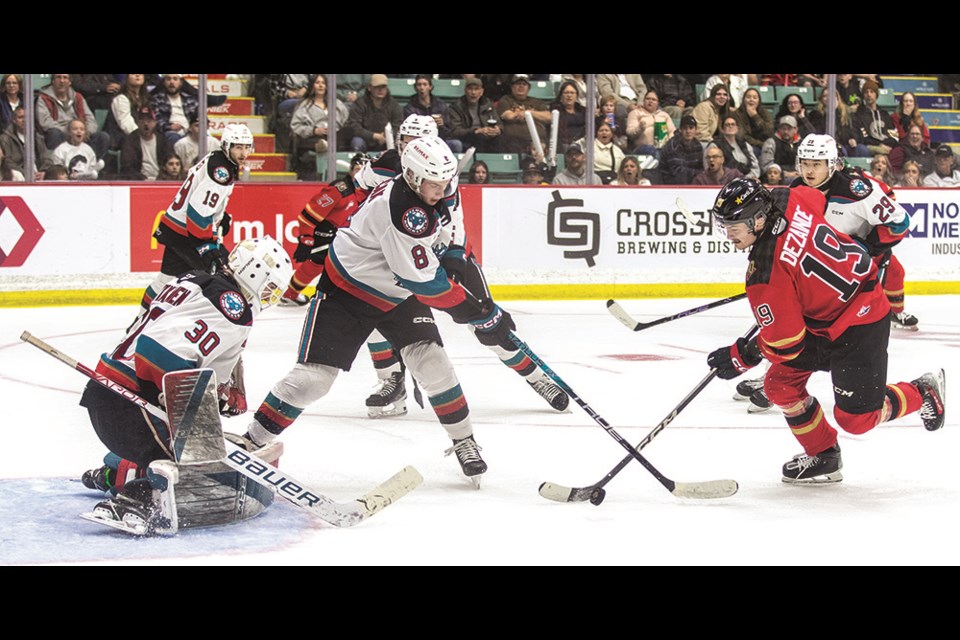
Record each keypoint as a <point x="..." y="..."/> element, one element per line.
<point x="682" y="157"/>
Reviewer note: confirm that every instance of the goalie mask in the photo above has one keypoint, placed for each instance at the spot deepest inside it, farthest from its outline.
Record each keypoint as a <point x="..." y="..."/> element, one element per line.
<point x="263" y="270"/>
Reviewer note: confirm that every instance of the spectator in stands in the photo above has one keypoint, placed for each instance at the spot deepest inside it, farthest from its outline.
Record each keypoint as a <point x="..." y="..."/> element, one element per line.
<point x="736" y="152"/>
<point x="911" y="176"/>
<point x="913" y="148"/>
<point x="8" y="173"/>
<point x="818" y="80"/>
<point x="781" y="148"/>
<point x="350" y="86"/>
<point x="844" y="133"/>
<point x="908" y="113"/>
<point x="848" y="91"/>
<point x="473" y="119"/>
<point x="534" y="173"/>
<point x="736" y="84"/>
<point x="607" y="156"/>
<point x="773" y="176"/>
<point x="424" y="103"/>
<point x="496" y="85"/>
<point x="309" y="126"/>
<point x="876" y="127"/>
<point x="291" y="88"/>
<point x="187" y="148"/>
<point x="792" y="105"/>
<point x="574" y="167"/>
<point x="172" y="170"/>
<point x="708" y="113"/>
<point x="56" y="173"/>
<point x="628" y="88"/>
<point x="57" y="105"/>
<point x="578" y="79"/>
<point x="618" y="123"/>
<point x="714" y="172"/>
<point x="630" y="174"/>
<point x="755" y="120"/>
<point x="649" y="127"/>
<point x="880" y="169"/>
<point x="682" y="157"/>
<point x="11" y="97"/>
<point x="675" y="92"/>
<point x="122" y="121"/>
<point x="479" y="173"/>
<point x="370" y="114"/>
<point x="76" y="155"/>
<point x="173" y="107"/>
<point x="512" y="109"/>
<point x="944" y="173"/>
<point x="13" y="139"/>
<point x="98" y="89"/>
<point x="572" y="121"/>
<point x="779" y="79"/>
<point x="144" y="151"/>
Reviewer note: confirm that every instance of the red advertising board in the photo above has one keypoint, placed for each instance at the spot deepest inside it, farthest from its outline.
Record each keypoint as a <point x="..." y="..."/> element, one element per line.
<point x="256" y="209"/>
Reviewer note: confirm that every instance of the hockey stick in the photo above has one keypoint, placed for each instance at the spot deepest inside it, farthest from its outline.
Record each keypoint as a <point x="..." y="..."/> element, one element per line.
<point x="336" y="513"/>
<point x="709" y="489"/>
<point x="629" y="322"/>
<point x="688" y="214"/>
<point x="595" y="492"/>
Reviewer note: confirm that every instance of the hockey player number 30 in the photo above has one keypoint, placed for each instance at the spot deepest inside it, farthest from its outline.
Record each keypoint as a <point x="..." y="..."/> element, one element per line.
<point x="831" y="247"/>
<point x="201" y="336"/>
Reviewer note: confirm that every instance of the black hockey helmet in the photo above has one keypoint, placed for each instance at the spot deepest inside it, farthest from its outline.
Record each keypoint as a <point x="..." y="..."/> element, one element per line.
<point x="742" y="200"/>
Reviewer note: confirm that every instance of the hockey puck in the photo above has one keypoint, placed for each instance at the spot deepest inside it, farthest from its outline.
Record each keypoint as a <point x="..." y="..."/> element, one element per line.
<point x="598" y="497"/>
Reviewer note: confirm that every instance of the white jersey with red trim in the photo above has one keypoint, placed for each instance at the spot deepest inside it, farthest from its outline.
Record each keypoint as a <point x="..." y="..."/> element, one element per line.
<point x="198" y="207"/>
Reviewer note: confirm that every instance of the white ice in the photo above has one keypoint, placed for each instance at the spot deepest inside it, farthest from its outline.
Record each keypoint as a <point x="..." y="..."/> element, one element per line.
<point x="899" y="502"/>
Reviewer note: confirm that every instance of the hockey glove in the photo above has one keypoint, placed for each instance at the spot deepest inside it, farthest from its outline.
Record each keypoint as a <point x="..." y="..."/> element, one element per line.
<point x="315" y="246"/>
<point x="232" y="401"/>
<point x="453" y="262"/>
<point x="493" y="329"/>
<point x="225" y="222"/>
<point x="736" y="359"/>
<point x="211" y="257"/>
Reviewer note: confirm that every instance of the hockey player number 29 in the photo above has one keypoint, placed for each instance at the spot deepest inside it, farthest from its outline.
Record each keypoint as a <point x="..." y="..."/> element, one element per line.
<point x="831" y="247"/>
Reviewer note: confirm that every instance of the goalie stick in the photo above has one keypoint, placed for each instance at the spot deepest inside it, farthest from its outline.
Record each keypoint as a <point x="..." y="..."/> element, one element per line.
<point x="708" y="489"/>
<point x="595" y="493"/>
<point x="337" y="514"/>
<point x="629" y="322"/>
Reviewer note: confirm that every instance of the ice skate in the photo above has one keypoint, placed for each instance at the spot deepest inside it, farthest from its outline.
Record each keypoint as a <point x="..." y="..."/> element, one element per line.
<point x="292" y="298"/>
<point x="390" y="397"/>
<point x="123" y="513"/>
<point x="745" y="388"/>
<point x="759" y="402"/>
<point x="468" y="455"/>
<point x="99" y="479"/>
<point x="551" y="392"/>
<point x="823" y="468"/>
<point x="933" y="390"/>
<point x="904" y="320"/>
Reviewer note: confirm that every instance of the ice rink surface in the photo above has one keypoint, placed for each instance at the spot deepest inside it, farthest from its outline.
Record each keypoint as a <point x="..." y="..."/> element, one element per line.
<point x="899" y="502"/>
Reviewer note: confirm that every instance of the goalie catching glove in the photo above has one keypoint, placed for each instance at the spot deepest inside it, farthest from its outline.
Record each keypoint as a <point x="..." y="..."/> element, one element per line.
<point x="314" y="246"/>
<point x="736" y="359"/>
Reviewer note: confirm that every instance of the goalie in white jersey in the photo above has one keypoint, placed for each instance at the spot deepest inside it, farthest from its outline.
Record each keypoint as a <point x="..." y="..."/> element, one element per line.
<point x="383" y="272"/>
<point x="199" y="320"/>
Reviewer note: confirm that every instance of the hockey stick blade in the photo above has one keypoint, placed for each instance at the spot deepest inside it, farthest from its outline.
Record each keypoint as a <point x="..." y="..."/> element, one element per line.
<point x="631" y="323"/>
<point x="688" y="214"/>
<point x="247" y="463"/>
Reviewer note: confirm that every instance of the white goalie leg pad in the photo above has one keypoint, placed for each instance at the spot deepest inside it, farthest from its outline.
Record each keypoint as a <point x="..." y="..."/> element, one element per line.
<point x="430" y="366"/>
<point x="206" y="495"/>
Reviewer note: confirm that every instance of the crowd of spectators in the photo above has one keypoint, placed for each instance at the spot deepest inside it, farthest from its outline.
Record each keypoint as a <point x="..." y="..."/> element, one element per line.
<point x="647" y="128"/>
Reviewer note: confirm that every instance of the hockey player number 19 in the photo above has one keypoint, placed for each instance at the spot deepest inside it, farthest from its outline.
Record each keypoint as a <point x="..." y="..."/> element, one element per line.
<point x="827" y="242"/>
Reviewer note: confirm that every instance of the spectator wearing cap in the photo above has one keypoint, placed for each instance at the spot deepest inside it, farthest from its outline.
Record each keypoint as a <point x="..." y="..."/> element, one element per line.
<point x="682" y="157"/>
<point x="173" y="107"/>
<point x="574" y="167"/>
<point x="709" y="112"/>
<point x="876" y="127"/>
<point x="945" y="173"/>
<point x="473" y="119"/>
<point x="370" y="114"/>
<point x="143" y="151"/>
<point x="781" y="148"/>
<point x="535" y="173"/>
<point x="424" y="103"/>
<point x="512" y="109"/>
<point x="913" y="148"/>
<point x="629" y="89"/>
<point x="57" y="105"/>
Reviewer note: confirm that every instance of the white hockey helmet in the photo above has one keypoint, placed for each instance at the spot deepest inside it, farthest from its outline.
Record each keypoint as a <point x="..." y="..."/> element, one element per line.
<point x="819" y="147"/>
<point x="417" y="126"/>
<point x="263" y="270"/>
<point x="428" y="158"/>
<point x="235" y="134"/>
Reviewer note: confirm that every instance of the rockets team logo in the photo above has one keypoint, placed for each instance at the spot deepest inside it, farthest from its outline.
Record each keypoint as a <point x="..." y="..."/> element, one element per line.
<point x="221" y="175"/>
<point x="232" y="304"/>
<point x="859" y="187"/>
<point x="415" y="221"/>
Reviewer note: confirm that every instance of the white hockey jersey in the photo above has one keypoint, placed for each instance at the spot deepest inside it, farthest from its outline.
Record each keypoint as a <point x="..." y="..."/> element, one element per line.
<point x="197" y="321"/>
<point x="198" y="207"/>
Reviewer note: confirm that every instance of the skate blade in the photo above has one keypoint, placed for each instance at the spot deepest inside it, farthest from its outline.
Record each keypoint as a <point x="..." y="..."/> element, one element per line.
<point x="740" y="398"/>
<point x="115" y="524"/>
<point x="390" y="411"/>
<point x="830" y="478"/>
<point x="900" y="327"/>
<point x="755" y="409"/>
<point x="475" y="481"/>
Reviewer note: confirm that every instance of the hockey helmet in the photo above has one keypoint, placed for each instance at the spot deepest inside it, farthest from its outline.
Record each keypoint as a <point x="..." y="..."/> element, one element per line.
<point x="415" y="126"/>
<point x="235" y="134"/>
<point x="428" y="158"/>
<point x="740" y="201"/>
<point x="263" y="270"/>
<point x="818" y="147"/>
